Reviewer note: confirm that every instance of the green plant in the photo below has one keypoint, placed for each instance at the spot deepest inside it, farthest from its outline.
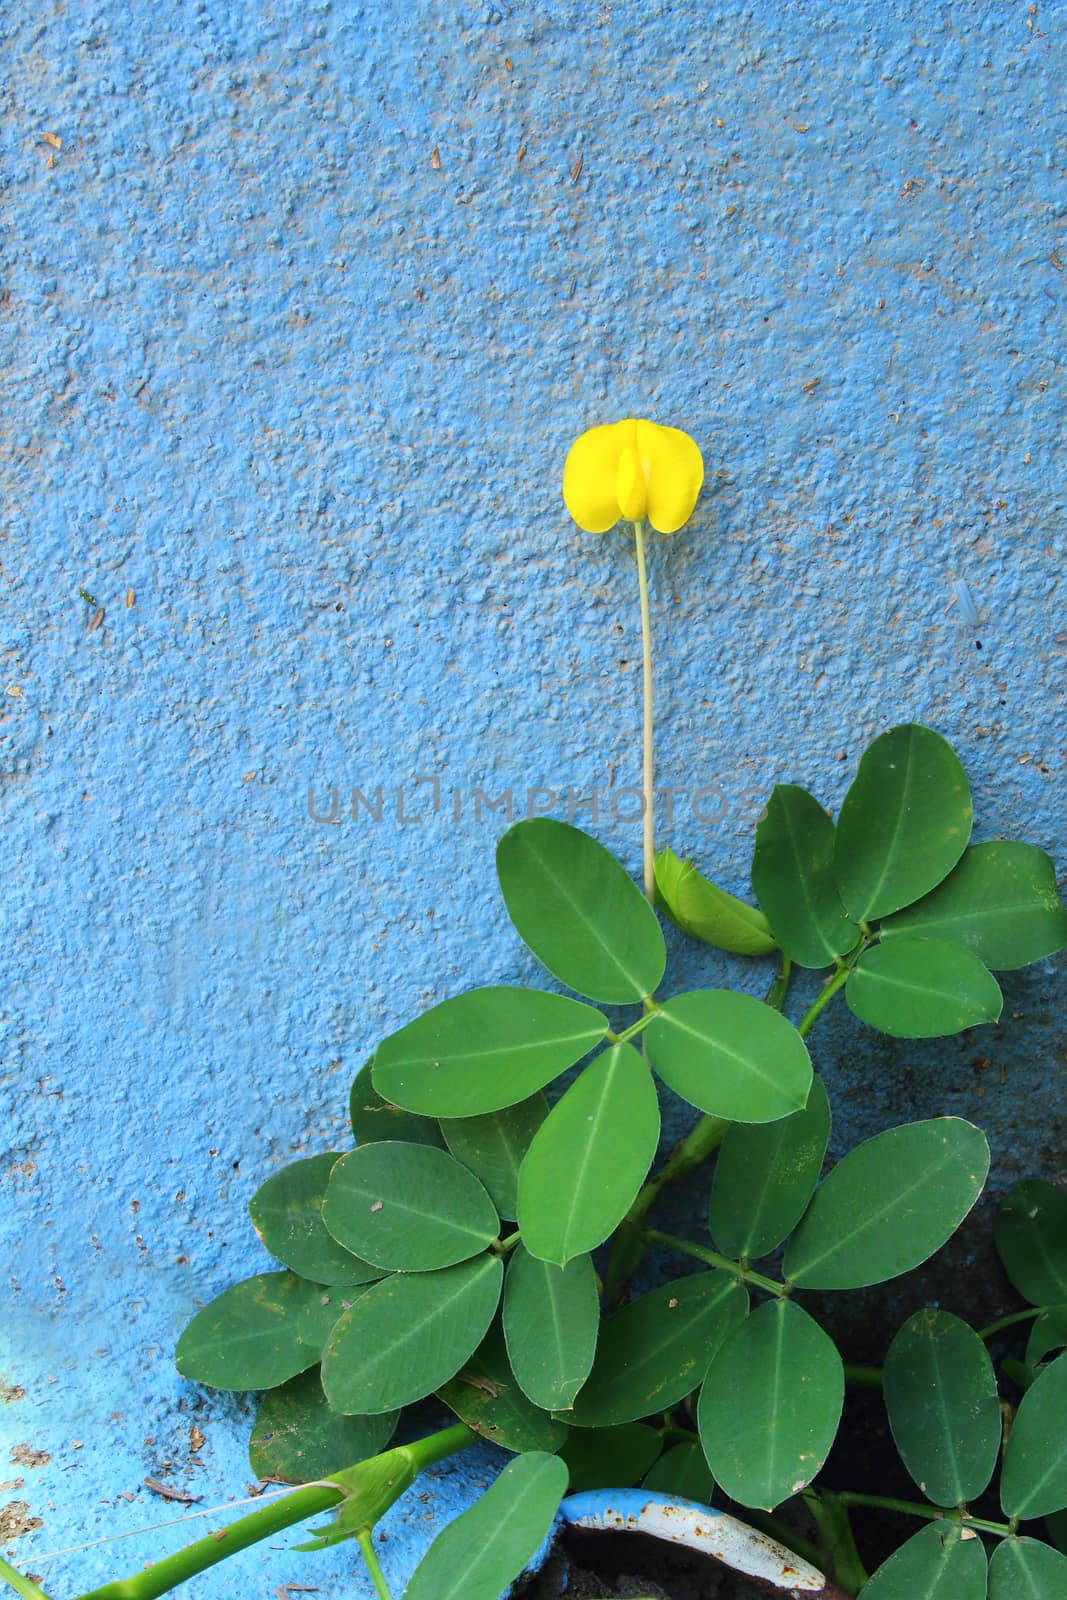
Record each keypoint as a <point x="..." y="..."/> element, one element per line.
<point x="401" y="1280"/>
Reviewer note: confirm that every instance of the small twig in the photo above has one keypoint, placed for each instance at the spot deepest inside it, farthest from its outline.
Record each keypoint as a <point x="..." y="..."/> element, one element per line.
<point x="165" y="1492"/>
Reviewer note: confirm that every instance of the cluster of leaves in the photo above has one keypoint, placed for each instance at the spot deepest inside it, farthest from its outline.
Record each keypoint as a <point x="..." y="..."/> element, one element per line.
<point x="401" y="1280"/>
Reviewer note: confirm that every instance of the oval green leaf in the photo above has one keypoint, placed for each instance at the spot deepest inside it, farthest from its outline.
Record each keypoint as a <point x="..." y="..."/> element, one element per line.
<point x="682" y="1471"/>
<point x="1033" y="1482"/>
<point x="551" y="1319"/>
<point x="579" y="911"/>
<point x="493" y="1147"/>
<point x="406" y="1336"/>
<point x="651" y="1354"/>
<point x="247" y="1338"/>
<point x="484" y="1050"/>
<point x="793" y="879"/>
<point x="1030" y="1234"/>
<point x="1002" y="902"/>
<point x="373" y="1118"/>
<point x="286" y="1212"/>
<point x="1027" y="1569"/>
<point x="409" y="1207"/>
<point x="609" y="1458"/>
<point x="922" y="989"/>
<point x="589" y="1157"/>
<point x="1048" y="1333"/>
<point x="941" y="1562"/>
<point x="765" y="1176"/>
<point x="770" y="1405"/>
<point x="705" y="912"/>
<point x="316" y="1320"/>
<point x="730" y="1055"/>
<point x="486" y="1396"/>
<point x="904" y="823"/>
<point x="889" y="1205"/>
<point x="941" y="1396"/>
<point x="479" y="1554"/>
<point x="296" y="1437"/>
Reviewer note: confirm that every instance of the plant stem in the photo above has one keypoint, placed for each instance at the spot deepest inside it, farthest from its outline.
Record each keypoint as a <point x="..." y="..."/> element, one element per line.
<point x="777" y="992"/>
<point x="823" y="999"/>
<point x="713" y="1259"/>
<point x="629" y="1246"/>
<point x="836" y="1538"/>
<point x="912" y="1508"/>
<point x="635" y="1027"/>
<point x="365" y="1540"/>
<point x="863" y="1377"/>
<point x="1009" y="1322"/>
<point x="649" y="849"/>
<point x="262" y="1524"/>
<point x="21" y="1585"/>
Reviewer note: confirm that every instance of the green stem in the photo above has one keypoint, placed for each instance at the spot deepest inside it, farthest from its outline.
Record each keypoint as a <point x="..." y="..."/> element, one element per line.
<point x="1009" y="1322"/>
<point x="649" y="849"/>
<point x="262" y="1524"/>
<point x="21" y="1585"/>
<point x="863" y="1377"/>
<point x="838" y="981"/>
<point x="836" y="1538"/>
<point x="365" y="1540"/>
<point x="503" y="1247"/>
<point x="628" y="1246"/>
<point x="777" y="992"/>
<point x="912" y="1508"/>
<point x="635" y="1027"/>
<point x="741" y="1273"/>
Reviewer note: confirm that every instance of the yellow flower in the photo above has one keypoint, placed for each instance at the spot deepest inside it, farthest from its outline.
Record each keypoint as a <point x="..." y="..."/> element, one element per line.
<point x="629" y="472"/>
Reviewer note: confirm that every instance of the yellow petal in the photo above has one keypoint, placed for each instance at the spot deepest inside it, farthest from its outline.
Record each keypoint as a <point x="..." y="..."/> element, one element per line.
<point x="591" y="472"/>
<point x="631" y="486"/>
<point x="675" y="472"/>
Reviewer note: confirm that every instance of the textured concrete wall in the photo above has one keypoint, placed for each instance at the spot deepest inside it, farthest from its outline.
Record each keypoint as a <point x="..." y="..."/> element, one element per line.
<point x="302" y="305"/>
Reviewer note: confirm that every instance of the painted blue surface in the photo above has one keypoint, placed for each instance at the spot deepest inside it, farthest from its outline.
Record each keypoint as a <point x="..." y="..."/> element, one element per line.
<point x="301" y="389"/>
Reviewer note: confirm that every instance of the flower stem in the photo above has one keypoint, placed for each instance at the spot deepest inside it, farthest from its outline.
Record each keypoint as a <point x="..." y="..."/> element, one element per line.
<point x="741" y="1273"/>
<point x="649" y="849"/>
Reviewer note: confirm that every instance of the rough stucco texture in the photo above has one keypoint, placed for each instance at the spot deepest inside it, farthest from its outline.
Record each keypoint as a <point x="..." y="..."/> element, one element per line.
<point x="302" y="305"/>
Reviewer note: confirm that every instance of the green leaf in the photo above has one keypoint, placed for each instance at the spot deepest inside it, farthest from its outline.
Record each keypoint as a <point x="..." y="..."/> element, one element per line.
<point x="316" y="1320"/>
<point x="1048" y="1333"/>
<point x="1034" y="1477"/>
<point x="1026" y="1569"/>
<point x="374" y="1118"/>
<point x="888" y="1205"/>
<point x="486" y="1396"/>
<point x="705" y="912"/>
<point x="1001" y="902"/>
<point x="941" y="1396"/>
<point x="683" y="1471"/>
<point x="479" y="1554"/>
<point x="903" y="824"/>
<point x="286" y="1212"/>
<point x="493" y="1147"/>
<point x="296" y="1437"/>
<point x="770" y="1405"/>
<point x="579" y="911"/>
<point x="730" y="1055"/>
<point x="551" y="1319"/>
<point x="1031" y="1239"/>
<point x="483" y="1050"/>
<point x="589" y="1157"/>
<point x="793" y="879"/>
<point x="609" y="1458"/>
<point x="247" y="1338"/>
<point x="922" y="989"/>
<point x="765" y="1176"/>
<point x="370" y="1487"/>
<point x="406" y="1336"/>
<point x="941" y="1562"/>
<point x="655" y="1351"/>
<point x="409" y="1207"/>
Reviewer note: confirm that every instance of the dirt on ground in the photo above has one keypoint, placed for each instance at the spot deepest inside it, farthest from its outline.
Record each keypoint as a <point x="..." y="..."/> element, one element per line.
<point x="632" y="1566"/>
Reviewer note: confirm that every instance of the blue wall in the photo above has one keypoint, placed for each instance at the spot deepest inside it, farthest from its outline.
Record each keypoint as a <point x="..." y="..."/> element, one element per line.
<point x="298" y="324"/>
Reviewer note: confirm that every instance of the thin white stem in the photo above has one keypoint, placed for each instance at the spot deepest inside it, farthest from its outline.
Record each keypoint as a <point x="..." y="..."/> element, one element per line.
<point x="646" y="658"/>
